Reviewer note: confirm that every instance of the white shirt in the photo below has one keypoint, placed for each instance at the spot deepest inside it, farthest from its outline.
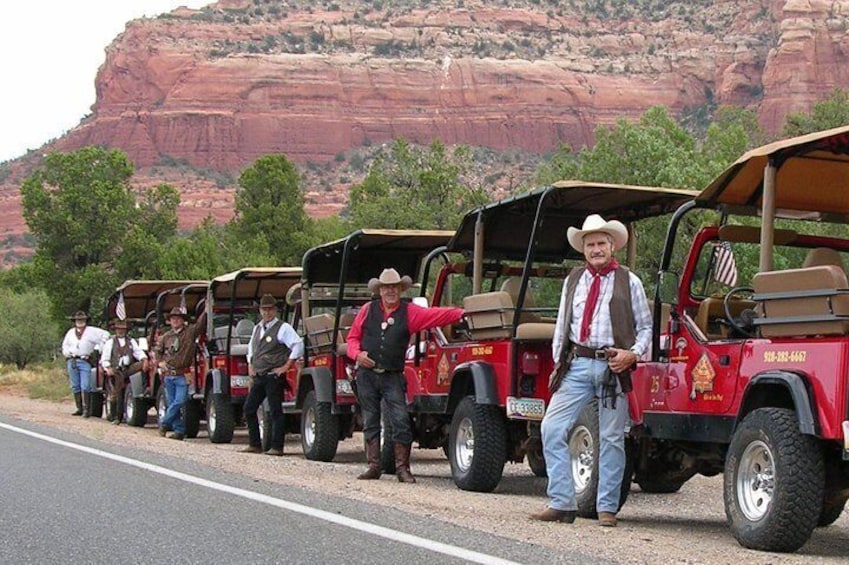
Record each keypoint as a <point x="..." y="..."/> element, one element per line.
<point x="106" y="353"/>
<point x="601" y="329"/>
<point x="82" y="347"/>
<point x="286" y="335"/>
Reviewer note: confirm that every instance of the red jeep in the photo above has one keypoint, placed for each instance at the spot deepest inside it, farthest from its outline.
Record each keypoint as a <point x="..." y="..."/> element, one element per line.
<point x="333" y="287"/>
<point x="231" y="307"/>
<point x="749" y="372"/>
<point x="482" y="393"/>
<point x="139" y="298"/>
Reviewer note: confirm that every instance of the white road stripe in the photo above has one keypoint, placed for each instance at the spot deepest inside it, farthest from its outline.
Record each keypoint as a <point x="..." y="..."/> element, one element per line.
<point x="388" y="533"/>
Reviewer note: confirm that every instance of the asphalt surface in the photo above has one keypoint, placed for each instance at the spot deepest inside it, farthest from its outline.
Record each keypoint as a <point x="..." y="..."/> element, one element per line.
<point x="60" y="504"/>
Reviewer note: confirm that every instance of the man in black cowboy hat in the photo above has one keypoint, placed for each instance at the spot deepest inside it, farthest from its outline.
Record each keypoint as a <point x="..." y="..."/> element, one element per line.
<point x="274" y="348"/>
<point x="175" y="356"/>
<point x="378" y="342"/>
<point x="78" y="347"/>
<point x="121" y="357"/>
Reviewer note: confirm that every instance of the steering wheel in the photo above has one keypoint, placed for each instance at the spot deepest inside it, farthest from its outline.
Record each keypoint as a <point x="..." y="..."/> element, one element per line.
<point x="743" y="324"/>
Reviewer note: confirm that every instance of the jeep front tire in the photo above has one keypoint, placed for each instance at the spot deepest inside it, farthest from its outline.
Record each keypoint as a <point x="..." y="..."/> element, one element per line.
<point x="773" y="483"/>
<point x="477" y="446"/>
<point x="135" y="408"/>
<point x="220" y="422"/>
<point x="319" y="430"/>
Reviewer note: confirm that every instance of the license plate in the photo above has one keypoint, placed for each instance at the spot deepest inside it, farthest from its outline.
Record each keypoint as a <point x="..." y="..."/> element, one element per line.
<point x="525" y="408"/>
<point x="240" y="381"/>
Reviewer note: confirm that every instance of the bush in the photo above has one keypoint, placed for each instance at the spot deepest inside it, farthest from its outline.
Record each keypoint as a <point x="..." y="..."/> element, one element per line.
<point x="27" y="333"/>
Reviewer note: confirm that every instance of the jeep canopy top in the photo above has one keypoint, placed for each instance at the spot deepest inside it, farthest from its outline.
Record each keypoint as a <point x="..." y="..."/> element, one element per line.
<point x="363" y="254"/>
<point x="508" y="225"/>
<point x="804" y="177"/>
<point x="252" y="282"/>
<point x="189" y="296"/>
<point x="140" y="297"/>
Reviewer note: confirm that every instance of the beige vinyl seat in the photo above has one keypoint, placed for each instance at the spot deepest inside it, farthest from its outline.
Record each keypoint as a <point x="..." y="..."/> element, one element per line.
<point x="319" y="330"/>
<point x="511" y="286"/>
<point x="823" y="256"/>
<point x="711" y="315"/>
<point x="824" y="311"/>
<point x="241" y="337"/>
<point x="490" y="315"/>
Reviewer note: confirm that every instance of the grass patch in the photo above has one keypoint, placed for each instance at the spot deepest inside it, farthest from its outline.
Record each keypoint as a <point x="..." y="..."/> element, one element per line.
<point x="41" y="380"/>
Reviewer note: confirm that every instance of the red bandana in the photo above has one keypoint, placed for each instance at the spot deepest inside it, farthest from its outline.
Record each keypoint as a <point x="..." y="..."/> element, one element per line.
<point x="592" y="297"/>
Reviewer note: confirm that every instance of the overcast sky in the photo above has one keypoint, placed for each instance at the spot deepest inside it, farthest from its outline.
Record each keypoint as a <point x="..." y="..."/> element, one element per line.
<point x="50" y="51"/>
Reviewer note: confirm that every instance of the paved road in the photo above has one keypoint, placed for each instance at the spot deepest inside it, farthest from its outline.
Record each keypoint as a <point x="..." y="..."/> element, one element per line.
<point x="67" y="499"/>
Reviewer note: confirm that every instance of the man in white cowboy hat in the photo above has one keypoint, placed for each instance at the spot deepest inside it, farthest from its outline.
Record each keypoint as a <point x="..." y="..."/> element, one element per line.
<point x="274" y="348"/>
<point x="603" y="327"/>
<point x="120" y="358"/>
<point x="378" y="342"/>
<point x="78" y="347"/>
<point x="174" y="354"/>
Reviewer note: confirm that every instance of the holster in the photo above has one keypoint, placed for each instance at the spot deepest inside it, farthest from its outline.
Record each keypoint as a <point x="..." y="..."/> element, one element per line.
<point x="560" y="370"/>
<point x="625" y="381"/>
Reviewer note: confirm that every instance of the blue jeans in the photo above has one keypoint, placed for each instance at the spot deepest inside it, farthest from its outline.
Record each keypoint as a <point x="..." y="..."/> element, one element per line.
<point x="176" y="392"/>
<point x="79" y="373"/>
<point x="581" y="384"/>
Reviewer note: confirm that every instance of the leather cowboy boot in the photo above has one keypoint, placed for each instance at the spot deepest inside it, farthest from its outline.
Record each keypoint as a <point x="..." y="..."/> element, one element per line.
<point x="118" y="414"/>
<point x="86" y="404"/>
<point x="402" y="464"/>
<point x="373" y="457"/>
<point x="78" y="400"/>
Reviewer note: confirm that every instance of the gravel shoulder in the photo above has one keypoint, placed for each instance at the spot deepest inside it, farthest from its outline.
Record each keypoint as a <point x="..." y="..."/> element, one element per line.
<point x="685" y="527"/>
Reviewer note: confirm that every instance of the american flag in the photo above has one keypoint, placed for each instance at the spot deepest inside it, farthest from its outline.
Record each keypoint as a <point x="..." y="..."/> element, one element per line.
<point x="725" y="267"/>
<point x="183" y="304"/>
<point x="121" y="308"/>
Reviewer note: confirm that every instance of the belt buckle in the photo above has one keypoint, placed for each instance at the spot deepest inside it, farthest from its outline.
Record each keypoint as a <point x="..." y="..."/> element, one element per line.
<point x="600" y="355"/>
<point x="378" y="370"/>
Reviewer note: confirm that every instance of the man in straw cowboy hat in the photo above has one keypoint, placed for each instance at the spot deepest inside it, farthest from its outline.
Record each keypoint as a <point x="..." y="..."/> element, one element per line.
<point x="78" y="347"/>
<point x="378" y="342"/>
<point x="121" y="357"/>
<point x="175" y="355"/>
<point x="274" y="348"/>
<point x="603" y="327"/>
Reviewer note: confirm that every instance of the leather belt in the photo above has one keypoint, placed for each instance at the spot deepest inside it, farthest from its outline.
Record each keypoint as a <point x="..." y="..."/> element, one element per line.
<point x="589" y="352"/>
<point x="382" y="370"/>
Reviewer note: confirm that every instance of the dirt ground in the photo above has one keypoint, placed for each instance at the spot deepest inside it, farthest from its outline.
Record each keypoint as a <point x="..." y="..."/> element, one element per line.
<point x="685" y="527"/>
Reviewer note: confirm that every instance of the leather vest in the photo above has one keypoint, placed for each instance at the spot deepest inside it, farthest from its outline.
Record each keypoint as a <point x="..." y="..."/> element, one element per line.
<point x="267" y="353"/>
<point x="621" y="311"/>
<point x="118" y="352"/>
<point x="386" y="344"/>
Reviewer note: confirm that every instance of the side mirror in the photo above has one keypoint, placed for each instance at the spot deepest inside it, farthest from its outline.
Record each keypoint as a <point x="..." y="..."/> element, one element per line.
<point x="667" y="287"/>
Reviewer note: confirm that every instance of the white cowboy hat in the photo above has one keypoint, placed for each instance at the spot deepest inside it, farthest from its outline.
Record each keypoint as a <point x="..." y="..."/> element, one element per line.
<point x="390" y="276"/>
<point x="595" y="223"/>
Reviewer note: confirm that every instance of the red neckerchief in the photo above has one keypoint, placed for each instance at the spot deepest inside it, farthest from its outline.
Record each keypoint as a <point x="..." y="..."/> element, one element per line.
<point x="388" y="313"/>
<point x="592" y="297"/>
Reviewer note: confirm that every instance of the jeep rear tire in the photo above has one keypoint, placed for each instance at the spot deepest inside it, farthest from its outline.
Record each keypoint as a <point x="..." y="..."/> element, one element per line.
<point x="135" y="408"/>
<point x="319" y="430"/>
<point x="536" y="460"/>
<point x="161" y="405"/>
<point x="773" y="483"/>
<point x="191" y="417"/>
<point x="584" y="444"/>
<point x="220" y="423"/>
<point x="477" y="446"/>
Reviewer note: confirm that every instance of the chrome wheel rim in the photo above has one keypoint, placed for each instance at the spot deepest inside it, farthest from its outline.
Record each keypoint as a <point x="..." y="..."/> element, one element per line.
<point x="464" y="446"/>
<point x="309" y="427"/>
<point x="581" y="447"/>
<point x="756" y="481"/>
<point x="260" y="416"/>
<point x="212" y="418"/>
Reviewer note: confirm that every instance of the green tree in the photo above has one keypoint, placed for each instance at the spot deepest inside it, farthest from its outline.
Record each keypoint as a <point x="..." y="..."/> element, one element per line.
<point x="270" y="206"/>
<point x="830" y="113"/>
<point x="416" y="188"/>
<point x="20" y="343"/>
<point x="80" y="208"/>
